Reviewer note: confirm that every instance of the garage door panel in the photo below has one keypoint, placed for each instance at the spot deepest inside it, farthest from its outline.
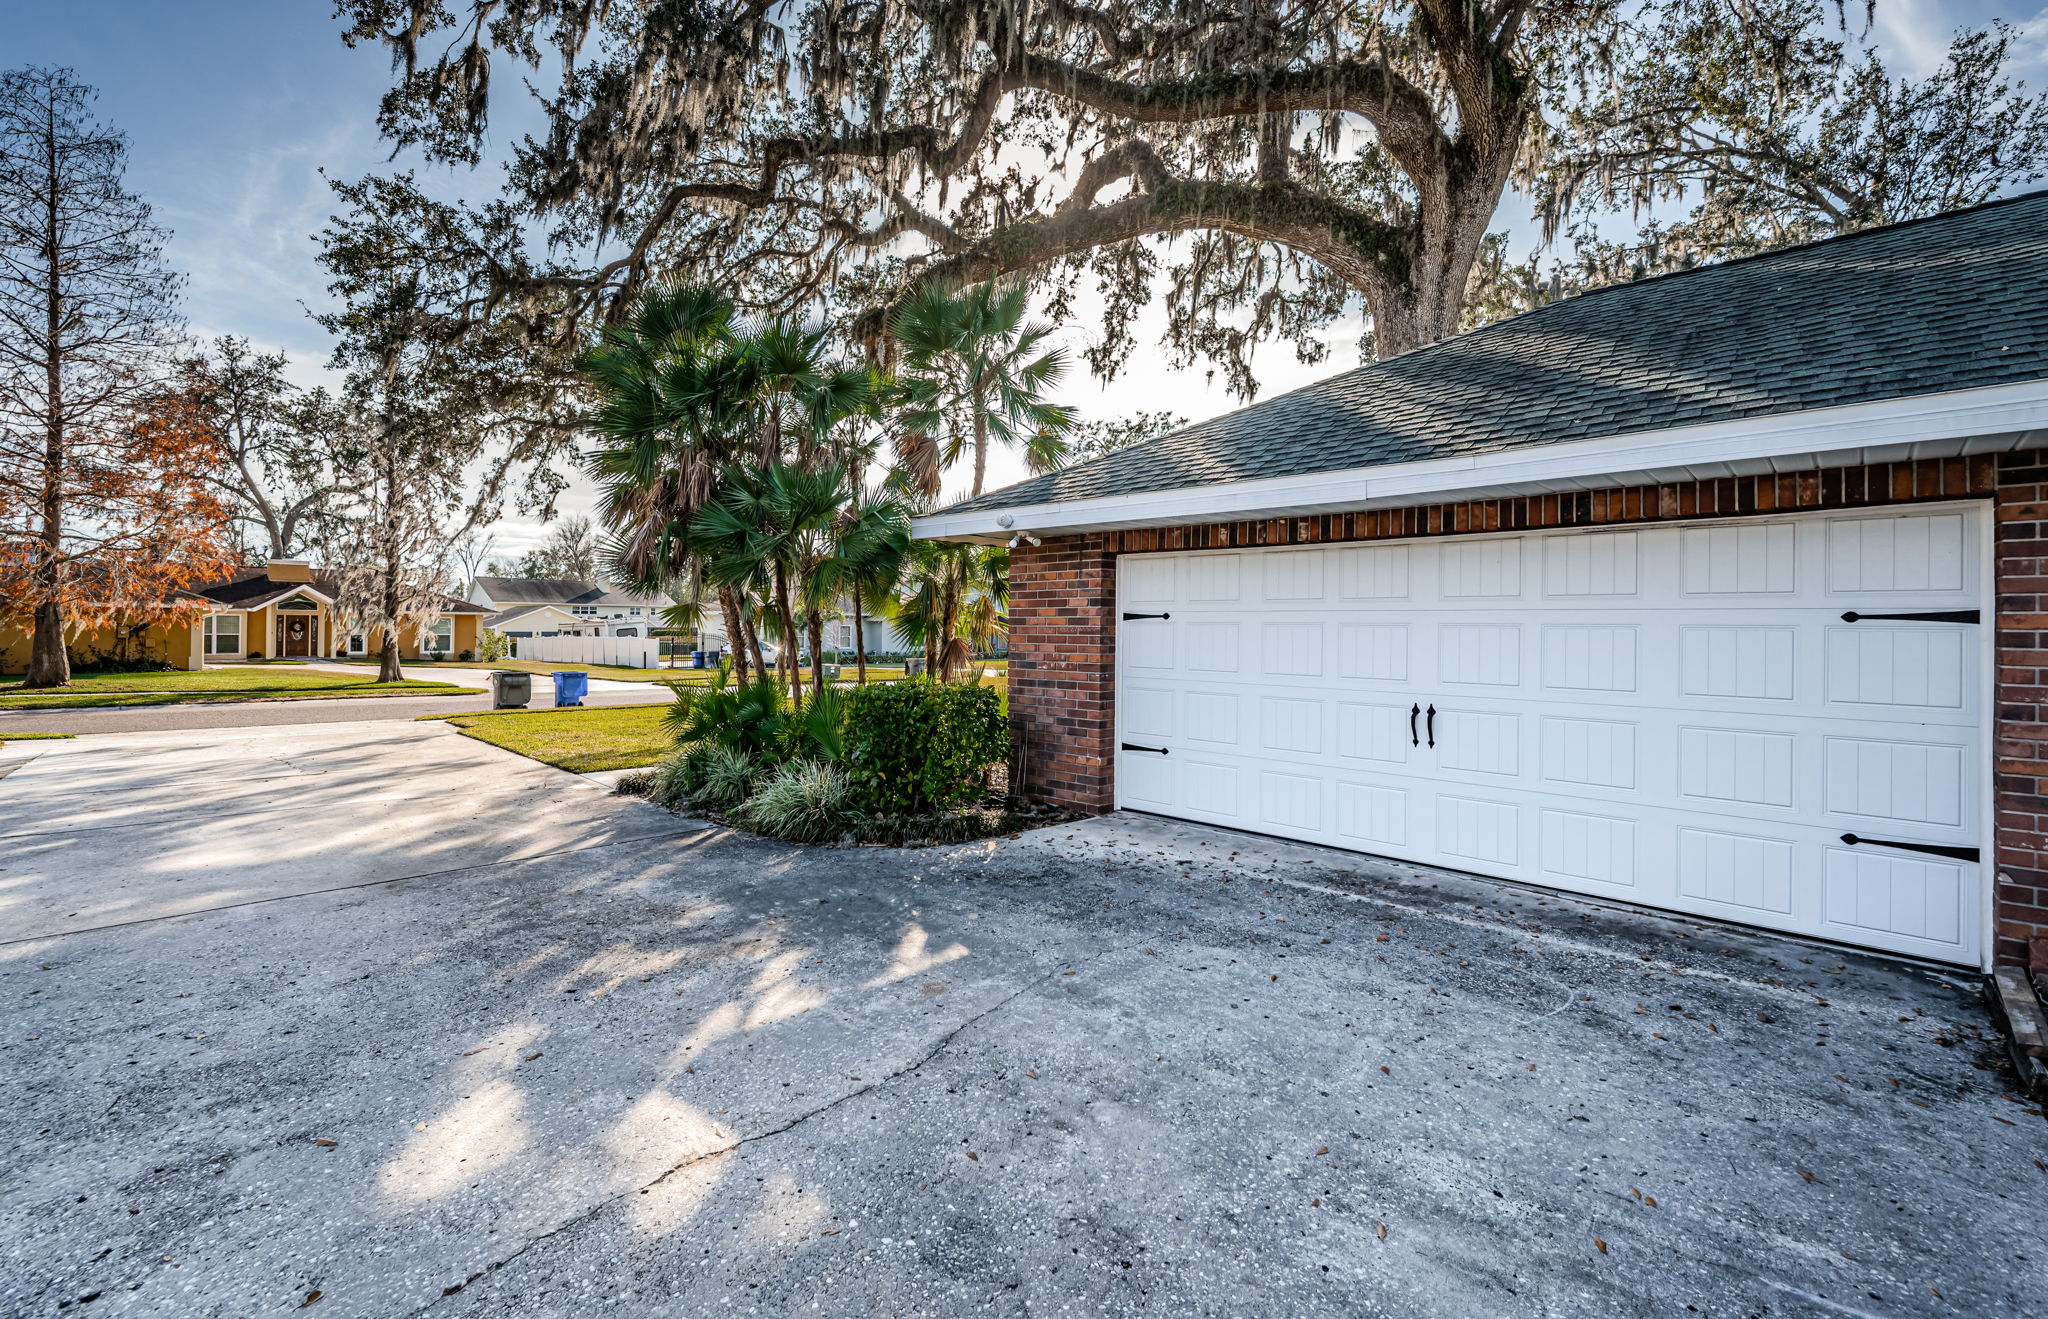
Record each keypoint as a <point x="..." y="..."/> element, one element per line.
<point x="1148" y="581"/>
<point x="1590" y="567"/>
<point x="1212" y="646"/>
<point x="1918" y="898"/>
<point x="1368" y="731"/>
<point x="1746" y="874"/>
<point x="1148" y="647"/>
<point x="1914" y="553"/>
<point x="1376" y="572"/>
<point x="1746" y="766"/>
<point x="1749" y="662"/>
<point x="1580" y="849"/>
<point x="1481" y="830"/>
<point x="1479" y="742"/>
<point x="1589" y="753"/>
<point x="1741" y="559"/>
<point x="1211" y="788"/>
<point x="1897" y="782"/>
<point x="1373" y="652"/>
<point x="1479" y="654"/>
<point x="1291" y="650"/>
<point x="1148" y="710"/>
<point x="1373" y="813"/>
<point x="1213" y="578"/>
<point x="1212" y="716"/>
<point x="1292" y="577"/>
<point x="1676" y="716"/>
<point x="1590" y="657"/>
<point x="1921" y="666"/>
<point x="1481" y="569"/>
<point x="1291" y="723"/>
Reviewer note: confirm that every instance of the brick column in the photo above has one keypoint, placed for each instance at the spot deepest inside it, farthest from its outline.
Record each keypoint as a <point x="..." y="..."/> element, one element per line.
<point x="2020" y="547"/>
<point x="1063" y="670"/>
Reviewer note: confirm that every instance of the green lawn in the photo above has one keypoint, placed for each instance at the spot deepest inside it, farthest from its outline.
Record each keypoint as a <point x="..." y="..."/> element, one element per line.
<point x="581" y="741"/>
<point x="204" y="685"/>
<point x="7" y="736"/>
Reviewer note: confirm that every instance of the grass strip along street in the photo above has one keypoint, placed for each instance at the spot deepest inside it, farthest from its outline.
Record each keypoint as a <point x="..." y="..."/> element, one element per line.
<point x="580" y="741"/>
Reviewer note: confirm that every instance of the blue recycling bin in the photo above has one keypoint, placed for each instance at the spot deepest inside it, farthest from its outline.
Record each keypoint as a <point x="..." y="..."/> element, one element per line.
<point x="570" y="686"/>
<point x="696" y="659"/>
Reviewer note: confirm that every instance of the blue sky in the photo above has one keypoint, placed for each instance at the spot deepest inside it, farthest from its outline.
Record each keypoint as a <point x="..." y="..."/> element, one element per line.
<point x="233" y="107"/>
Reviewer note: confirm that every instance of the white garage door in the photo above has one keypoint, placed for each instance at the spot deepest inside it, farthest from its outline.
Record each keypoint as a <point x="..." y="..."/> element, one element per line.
<point x="1690" y="716"/>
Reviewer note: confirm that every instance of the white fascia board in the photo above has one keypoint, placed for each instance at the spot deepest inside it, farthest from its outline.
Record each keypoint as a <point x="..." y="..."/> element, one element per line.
<point x="1890" y="430"/>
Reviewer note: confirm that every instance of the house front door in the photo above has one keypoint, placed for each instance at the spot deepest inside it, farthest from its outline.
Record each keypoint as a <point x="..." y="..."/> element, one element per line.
<point x="295" y="636"/>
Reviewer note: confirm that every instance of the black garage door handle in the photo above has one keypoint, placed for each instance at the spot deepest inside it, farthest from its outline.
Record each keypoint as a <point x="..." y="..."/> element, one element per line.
<point x="1129" y="617"/>
<point x="1132" y="746"/>
<point x="1432" y="725"/>
<point x="1414" y="738"/>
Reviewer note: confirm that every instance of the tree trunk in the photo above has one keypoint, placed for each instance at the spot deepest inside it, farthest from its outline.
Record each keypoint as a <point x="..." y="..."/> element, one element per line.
<point x="387" y="662"/>
<point x="735" y="633"/>
<point x="980" y="439"/>
<point x="753" y="640"/>
<point x="789" y="637"/>
<point x="814" y="628"/>
<point x="860" y="640"/>
<point x="49" y="663"/>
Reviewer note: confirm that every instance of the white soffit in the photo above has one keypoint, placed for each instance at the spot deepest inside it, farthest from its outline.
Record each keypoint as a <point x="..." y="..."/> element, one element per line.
<point x="1993" y="420"/>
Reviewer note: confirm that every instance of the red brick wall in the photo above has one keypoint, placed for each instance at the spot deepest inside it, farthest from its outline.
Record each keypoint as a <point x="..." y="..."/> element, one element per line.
<point x="1063" y="643"/>
<point x="2020" y="547"/>
<point x="1063" y="669"/>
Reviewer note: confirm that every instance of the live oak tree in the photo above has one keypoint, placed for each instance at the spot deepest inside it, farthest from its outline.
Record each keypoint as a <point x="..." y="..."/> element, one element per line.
<point x="1276" y="163"/>
<point x="450" y="420"/>
<point x="287" y="450"/>
<point x="103" y="460"/>
<point x="1774" y="131"/>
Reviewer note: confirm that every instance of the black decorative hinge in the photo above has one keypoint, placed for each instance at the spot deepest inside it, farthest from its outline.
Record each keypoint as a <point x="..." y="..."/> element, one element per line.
<point x="1943" y="616"/>
<point x="1932" y="849"/>
<point x="1132" y="746"/>
<point x="1129" y="617"/>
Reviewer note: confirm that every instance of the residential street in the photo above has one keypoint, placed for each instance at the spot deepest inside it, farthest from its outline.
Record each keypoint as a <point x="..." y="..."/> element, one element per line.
<point x="313" y="710"/>
<point x="376" y="1017"/>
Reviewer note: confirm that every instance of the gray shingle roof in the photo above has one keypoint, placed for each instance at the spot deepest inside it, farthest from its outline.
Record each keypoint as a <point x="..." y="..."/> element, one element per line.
<point x="1954" y="301"/>
<point x="563" y="591"/>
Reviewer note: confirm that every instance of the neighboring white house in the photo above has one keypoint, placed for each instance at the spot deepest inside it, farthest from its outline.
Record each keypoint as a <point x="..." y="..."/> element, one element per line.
<point x="882" y="636"/>
<point x="565" y="606"/>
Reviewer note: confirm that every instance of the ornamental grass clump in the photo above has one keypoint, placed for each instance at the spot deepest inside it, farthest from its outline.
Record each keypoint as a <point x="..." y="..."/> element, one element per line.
<point x="803" y="802"/>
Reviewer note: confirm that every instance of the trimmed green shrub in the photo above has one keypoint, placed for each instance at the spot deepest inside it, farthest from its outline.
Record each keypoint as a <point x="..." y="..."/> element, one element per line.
<point x="804" y="802"/>
<point x="922" y="746"/>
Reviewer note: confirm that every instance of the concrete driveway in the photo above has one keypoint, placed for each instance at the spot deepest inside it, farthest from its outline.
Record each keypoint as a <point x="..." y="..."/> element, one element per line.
<point x="379" y="1016"/>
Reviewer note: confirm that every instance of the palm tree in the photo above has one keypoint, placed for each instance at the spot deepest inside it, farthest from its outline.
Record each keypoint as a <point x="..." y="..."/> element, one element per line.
<point x="768" y="530"/>
<point x="672" y="411"/>
<point x="868" y="544"/>
<point x="972" y="372"/>
<point x="956" y="599"/>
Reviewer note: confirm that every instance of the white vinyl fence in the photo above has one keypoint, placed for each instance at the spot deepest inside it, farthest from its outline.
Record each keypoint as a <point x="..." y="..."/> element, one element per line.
<point x="625" y="652"/>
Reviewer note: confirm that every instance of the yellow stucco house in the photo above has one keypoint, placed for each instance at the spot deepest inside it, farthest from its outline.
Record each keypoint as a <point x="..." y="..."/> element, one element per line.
<point x="284" y="609"/>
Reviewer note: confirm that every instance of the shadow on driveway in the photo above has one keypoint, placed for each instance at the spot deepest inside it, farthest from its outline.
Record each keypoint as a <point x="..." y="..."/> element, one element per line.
<point x="1122" y="1067"/>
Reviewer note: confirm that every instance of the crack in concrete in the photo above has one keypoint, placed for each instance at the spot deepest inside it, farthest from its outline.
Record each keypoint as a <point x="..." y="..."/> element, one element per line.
<point x="943" y="1043"/>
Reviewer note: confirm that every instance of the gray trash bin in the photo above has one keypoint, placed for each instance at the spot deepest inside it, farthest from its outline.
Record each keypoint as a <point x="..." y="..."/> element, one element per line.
<point x="510" y="689"/>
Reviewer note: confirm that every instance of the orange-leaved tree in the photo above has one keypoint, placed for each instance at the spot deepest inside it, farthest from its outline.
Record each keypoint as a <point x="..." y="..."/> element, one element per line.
<point x="140" y="518"/>
<point x="103" y="458"/>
